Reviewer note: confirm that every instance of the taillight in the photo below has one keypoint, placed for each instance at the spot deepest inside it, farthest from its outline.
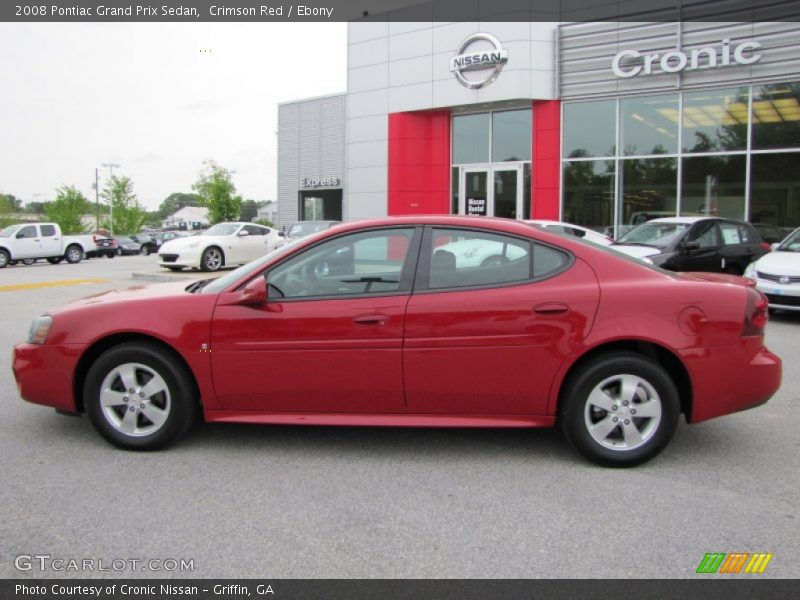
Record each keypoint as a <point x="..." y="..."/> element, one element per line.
<point x="756" y="314"/>
<point x="765" y="246"/>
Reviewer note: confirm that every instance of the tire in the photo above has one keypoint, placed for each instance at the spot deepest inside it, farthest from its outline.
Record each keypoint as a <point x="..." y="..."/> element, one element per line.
<point x="119" y="251"/>
<point x="5" y="259"/>
<point x="28" y="261"/>
<point x="212" y="259"/>
<point x="55" y="260"/>
<point x="145" y="251"/>
<point x="154" y="421"/>
<point x="111" y="254"/>
<point x="593" y="398"/>
<point x="73" y="254"/>
<point x="175" y="269"/>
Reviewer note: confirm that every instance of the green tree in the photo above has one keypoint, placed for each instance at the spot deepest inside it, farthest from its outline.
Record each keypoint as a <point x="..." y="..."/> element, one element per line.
<point x="215" y="187"/>
<point x="13" y="203"/>
<point x="5" y="212"/>
<point x="249" y="210"/>
<point x="35" y="208"/>
<point x="127" y="215"/>
<point x="176" y="201"/>
<point x="67" y="209"/>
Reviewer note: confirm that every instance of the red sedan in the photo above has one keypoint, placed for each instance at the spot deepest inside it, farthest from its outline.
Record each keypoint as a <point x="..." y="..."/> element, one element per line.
<point x="414" y="321"/>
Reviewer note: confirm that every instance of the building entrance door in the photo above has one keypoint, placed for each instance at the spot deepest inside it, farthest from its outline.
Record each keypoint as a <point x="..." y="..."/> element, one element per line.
<point x="492" y="191"/>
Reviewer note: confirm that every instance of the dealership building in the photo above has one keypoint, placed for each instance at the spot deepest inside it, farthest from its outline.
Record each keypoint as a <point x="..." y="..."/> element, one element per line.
<point x="601" y="124"/>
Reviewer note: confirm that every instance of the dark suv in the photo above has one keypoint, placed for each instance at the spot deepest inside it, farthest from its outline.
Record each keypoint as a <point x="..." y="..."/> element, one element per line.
<point x="695" y="244"/>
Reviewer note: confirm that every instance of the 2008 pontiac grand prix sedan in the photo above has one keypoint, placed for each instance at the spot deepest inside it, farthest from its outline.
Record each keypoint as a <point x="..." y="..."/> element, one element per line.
<point x="383" y="323"/>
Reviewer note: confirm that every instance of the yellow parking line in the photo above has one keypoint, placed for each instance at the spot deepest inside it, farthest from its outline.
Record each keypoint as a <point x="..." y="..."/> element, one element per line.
<point x="43" y="284"/>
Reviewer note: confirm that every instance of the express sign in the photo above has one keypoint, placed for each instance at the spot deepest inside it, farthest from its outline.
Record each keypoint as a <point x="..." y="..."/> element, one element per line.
<point x="630" y="63"/>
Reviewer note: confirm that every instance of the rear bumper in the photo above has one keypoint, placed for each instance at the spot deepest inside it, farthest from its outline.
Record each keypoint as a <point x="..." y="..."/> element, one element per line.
<point x="731" y="378"/>
<point x="44" y="373"/>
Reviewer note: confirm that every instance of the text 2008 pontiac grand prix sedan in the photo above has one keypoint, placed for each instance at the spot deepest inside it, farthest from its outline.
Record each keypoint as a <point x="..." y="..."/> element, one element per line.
<point x="384" y="323"/>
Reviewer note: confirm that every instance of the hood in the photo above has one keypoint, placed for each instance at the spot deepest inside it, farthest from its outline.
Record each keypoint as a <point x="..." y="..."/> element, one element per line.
<point x="138" y="292"/>
<point x="636" y="251"/>
<point x="178" y="244"/>
<point x="717" y="277"/>
<point x="780" y="263"/>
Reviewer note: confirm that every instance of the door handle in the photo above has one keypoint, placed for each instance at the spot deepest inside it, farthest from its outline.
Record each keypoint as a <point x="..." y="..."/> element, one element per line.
<point x="370" y="319"/>
<point x="550" y="309"/>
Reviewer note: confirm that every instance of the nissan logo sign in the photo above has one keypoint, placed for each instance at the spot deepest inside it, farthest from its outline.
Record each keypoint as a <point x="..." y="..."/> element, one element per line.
<point x="489" y="61"/>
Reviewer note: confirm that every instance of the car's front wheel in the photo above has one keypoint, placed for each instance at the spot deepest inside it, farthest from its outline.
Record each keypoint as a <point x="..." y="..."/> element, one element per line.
<point x="145" y="250"/>
<point x="620" y="409"/>
<point x="212" y="259"/>
<point x="139" y="397"/>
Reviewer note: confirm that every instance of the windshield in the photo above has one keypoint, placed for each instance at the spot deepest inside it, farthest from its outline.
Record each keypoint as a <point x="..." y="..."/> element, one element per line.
<point x="299" y="230"/>
<point x="658" y="234"/>
<point x="8" y="231"/>
<point x="220" y="283"/>
<point x="790" y="244"/>
<point x="222" y="229"/>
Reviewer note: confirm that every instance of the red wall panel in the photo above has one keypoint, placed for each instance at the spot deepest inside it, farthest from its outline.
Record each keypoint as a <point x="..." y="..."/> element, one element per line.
<point x="546" y="163"/>
<point x="419" y="163"/>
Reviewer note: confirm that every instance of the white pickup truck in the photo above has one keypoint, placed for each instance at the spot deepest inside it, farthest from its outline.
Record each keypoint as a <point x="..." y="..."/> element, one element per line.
<point x="27" y="242"/>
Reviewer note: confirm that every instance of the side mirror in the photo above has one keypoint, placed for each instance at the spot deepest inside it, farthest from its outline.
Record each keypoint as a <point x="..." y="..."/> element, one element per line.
<point x="282" y="233"/>
<point x="693" y="245"/>
<point x="253" y="293"/>
<point x="774" y="246"/>
<point x="243" y="233"/>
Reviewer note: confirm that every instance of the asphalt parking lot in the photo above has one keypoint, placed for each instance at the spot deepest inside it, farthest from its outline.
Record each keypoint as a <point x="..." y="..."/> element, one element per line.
<point x="248" y="501"/>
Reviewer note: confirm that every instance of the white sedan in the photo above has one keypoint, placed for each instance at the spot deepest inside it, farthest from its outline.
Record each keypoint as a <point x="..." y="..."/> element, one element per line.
<point x="574" y="230"/>
<point x="777" y="274"/>
<point x="224" y="244"/>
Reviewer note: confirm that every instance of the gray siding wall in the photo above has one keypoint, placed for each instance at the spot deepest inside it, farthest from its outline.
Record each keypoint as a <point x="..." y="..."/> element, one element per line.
<point x="586" y="51"/>
<point x="311" y="143"/>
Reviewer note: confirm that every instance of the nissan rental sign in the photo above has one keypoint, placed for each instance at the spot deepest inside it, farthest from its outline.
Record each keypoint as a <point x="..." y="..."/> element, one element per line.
<point x="482" y="55"/>
<point x="630" y="63"/>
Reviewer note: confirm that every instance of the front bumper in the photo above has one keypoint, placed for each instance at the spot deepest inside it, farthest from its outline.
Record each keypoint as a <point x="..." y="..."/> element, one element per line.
<point x="184" y="258"/>
<point x="45" y="373"/>
<point x="728" y="379"/>
<point x="782" y="296"/>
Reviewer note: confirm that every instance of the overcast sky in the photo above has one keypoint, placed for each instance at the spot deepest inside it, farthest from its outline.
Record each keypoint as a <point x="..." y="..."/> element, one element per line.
<point x="144" y="96"/>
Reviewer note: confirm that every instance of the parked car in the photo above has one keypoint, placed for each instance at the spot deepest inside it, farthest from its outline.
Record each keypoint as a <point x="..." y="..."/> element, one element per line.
<point x="574" y="230"/>
<point x="375" y="323"/>
<point x="106" y="246"/>
<point x="301" y="229"/>
<point x="223" y="244"/>
<point x="695" y="244"/>
<point x="147" y="243"/>
<point x="772" y="234"/>
<point x="127" y="246"/>
<point x="777" y="274"/>
<point x="28" y="242"/>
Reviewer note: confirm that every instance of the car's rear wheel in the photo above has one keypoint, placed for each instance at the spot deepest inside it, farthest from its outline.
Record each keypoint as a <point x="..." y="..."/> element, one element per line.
<point x="55" y="260"/>
<point x="212" y="259"/>
<point x="620" y="409"/>
<point x="28" y="261"/>
<point x="139" y="397"/>
<point x="74" y="254"/>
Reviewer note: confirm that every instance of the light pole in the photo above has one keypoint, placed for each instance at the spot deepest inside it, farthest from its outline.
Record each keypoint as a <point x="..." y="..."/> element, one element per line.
<point x="111" y="167"/>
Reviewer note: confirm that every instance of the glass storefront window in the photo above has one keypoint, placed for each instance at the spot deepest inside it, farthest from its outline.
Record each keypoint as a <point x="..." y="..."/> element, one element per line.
<point x="714" y="185"/>
<point x="511" y="135"/>
<point x="776" y="115"/>
<point x="649" y="189"/>
<point x="471" y="138"/>
<point x="454" y="188"/>
<point x="649" y="125"/>
<point x="589" y="129"/>
<point x="775" y="189"/>
<point x="714" y="120"/>
<point x="589" y="193"/>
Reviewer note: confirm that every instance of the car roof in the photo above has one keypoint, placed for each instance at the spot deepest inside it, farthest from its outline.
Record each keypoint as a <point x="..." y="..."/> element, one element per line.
<point x="681" y="219"/>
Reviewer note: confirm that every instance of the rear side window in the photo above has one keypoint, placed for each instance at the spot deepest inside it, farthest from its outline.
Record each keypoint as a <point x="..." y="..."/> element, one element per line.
<point x="254" y="230"/>
<point x="462" y="258"/>
<point x="48" y="230"/>
<point x="748" y="234"/>
<point x="548" y="261"/>
<point x="731" y="234"/>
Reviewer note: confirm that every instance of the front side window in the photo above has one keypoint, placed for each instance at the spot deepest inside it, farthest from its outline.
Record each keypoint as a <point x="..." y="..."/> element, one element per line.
<point x="221" y="229"/>
<point x="705" y="234"/>
<point x="365" y="263"/>
<point x="463" y="258"/>
<point x="29" y="231"/>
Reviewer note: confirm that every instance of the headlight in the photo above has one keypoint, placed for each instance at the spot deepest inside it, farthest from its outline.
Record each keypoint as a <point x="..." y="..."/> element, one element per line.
<point x="750" y="271"/>
<point x="39" y="329"/>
